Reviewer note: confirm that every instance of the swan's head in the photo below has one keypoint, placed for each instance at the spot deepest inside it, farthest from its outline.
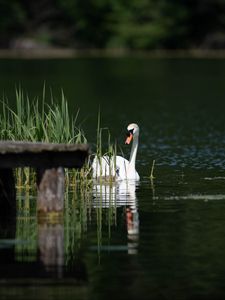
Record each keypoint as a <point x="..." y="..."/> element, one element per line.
<point x="132" y="131"/>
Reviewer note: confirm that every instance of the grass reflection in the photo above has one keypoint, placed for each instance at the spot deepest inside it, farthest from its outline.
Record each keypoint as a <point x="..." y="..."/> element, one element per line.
<point x="85" y="208"/>
<point x="26" y="227"/>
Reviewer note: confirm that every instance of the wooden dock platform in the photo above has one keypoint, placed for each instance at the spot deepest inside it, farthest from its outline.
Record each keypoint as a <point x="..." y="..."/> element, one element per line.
<point x="49" y="160"/>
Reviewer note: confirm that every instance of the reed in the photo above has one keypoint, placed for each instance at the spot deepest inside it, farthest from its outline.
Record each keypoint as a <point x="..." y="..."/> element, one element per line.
<point x="32" y="121"/>
<point x="109" y="151"/>
<point x="152" y="170"/>
<point x="36" y="120"/>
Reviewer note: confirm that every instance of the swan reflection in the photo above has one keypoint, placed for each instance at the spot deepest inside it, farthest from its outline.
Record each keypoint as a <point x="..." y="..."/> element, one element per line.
<point x="121" y="194"/>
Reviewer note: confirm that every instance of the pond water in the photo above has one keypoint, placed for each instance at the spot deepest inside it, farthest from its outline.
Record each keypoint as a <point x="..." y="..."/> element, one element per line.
<point x="159" y="239"/>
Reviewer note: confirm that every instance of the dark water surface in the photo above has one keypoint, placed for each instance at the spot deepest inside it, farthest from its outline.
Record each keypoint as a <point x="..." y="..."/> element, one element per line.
<point x="159" y="239"/>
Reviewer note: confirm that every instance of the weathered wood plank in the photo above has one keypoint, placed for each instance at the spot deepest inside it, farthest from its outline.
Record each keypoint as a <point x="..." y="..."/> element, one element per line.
<point x="22" y="154"/>
<point x="37" y="147"/>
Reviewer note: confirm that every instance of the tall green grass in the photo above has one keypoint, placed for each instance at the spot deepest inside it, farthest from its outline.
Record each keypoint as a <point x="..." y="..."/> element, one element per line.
<point x="46" y="119"/>
<point x="110" y="152"/>
<point x="38" y="120"/>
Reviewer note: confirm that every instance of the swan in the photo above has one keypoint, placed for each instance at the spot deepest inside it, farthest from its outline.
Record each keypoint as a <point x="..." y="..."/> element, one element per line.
<point x="119" y="168"/>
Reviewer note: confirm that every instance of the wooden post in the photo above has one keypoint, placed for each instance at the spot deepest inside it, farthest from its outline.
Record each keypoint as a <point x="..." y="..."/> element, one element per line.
<point x="50" y="190"/>
<point x="51" y="245"/>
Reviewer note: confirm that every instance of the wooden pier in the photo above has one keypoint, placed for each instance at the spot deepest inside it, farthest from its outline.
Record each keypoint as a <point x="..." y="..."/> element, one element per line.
<point x="49" y="161"/>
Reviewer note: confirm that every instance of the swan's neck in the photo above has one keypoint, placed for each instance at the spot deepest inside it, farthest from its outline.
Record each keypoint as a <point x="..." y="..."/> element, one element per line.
<point x="133" y="153"/>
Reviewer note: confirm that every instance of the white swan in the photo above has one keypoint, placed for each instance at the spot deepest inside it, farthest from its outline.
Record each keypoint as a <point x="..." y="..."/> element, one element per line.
<point x="119" y="167"/>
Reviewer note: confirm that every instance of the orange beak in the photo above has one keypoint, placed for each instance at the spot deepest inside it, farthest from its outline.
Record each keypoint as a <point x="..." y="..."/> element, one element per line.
<point x="129" y="139"/>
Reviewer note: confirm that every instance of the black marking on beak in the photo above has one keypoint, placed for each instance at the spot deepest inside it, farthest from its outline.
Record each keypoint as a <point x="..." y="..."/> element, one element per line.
<point x="129" y="132"/>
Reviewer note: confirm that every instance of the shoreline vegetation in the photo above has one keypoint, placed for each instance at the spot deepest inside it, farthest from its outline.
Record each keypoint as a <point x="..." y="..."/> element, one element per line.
<point x="48" y="120"/>
<point x="136" y="25"/>
<point x="41" y="120"/>
<point x="70" y="53"/>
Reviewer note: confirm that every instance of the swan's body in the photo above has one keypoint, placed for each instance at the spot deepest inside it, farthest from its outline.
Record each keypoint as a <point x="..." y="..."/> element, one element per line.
<point x="118" y="167"/>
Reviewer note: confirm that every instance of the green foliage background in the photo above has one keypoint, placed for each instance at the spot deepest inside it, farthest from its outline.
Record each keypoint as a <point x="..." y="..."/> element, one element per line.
<point x="130" y="24"/>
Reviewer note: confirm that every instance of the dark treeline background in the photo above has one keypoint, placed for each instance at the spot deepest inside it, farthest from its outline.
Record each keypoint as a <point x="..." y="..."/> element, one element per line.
<point x="130" y="24"/>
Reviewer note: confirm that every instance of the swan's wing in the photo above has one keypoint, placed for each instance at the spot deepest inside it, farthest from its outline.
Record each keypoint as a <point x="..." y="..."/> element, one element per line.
<point x="121" y="167"/>
<point x="104" y="166"/>
<point x="123" y="170"/>
<point x="109" y="167"/>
